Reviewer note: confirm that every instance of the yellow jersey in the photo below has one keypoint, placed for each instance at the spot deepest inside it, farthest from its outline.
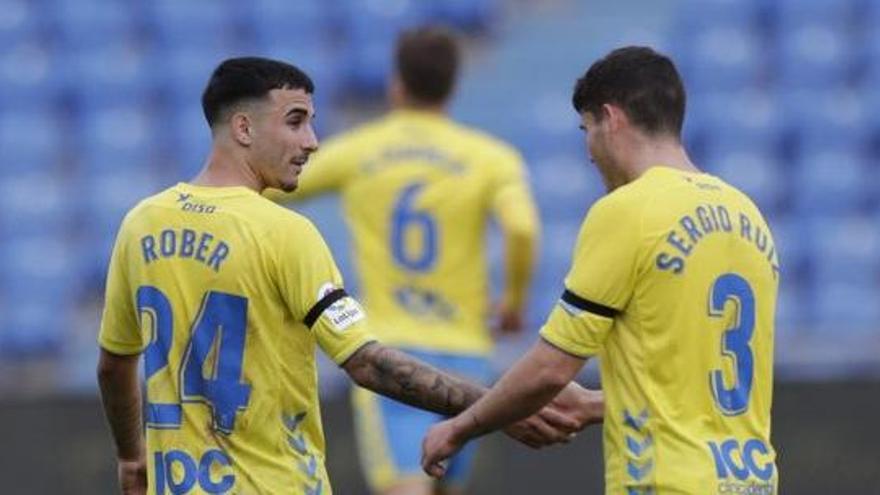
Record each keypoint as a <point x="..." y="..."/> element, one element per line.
<point x="227" y="294"/>
<point x="418" y="191"/>
<point x="673" y="285"/>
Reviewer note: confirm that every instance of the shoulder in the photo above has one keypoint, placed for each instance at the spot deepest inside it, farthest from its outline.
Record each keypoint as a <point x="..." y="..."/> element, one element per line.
<point x="275" y="217"/>
<point x="289" y="230"/>
<point x="488" y="143"/>
<point x="491" y="152"/>
<point x="356" y="137"/>
<point x="145" y="209"/>
<point x="623" y="203"/>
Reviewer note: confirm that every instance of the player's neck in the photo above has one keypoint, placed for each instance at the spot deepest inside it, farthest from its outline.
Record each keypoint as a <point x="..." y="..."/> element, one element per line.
<point x="223" y="169"/>
<point x="411" y="105"/>
<point x="648" y="153"/>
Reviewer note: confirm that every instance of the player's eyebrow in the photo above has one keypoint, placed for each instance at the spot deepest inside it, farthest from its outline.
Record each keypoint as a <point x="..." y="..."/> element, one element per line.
<point x="297" y="110"/>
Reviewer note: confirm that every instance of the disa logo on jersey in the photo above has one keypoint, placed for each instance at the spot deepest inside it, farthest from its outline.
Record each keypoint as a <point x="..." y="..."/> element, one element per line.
<point x="343" y="313"/>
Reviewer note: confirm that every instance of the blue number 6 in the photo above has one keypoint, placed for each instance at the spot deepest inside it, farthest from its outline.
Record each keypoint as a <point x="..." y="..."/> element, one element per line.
<point x="405" y="217"/>
<point x="735" y="342"/>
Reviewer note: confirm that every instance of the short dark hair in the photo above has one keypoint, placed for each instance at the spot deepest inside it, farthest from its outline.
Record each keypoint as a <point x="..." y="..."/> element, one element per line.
<point x="642" y="82"/>
<point x="427" y="61"/>
<point x="244" y="78"/>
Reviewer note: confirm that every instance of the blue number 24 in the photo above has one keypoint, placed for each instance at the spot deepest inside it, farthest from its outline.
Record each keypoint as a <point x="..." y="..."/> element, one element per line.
<point x="221" y="316"/>
<point x="735" y="342"/>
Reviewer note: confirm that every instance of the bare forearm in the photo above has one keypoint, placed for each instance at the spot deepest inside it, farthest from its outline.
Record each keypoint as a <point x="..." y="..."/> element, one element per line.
<point x="519" y="259"/>
<point x="401" y="377"/>
<point x="527" y="387"/>
<point x="121" y="397"/>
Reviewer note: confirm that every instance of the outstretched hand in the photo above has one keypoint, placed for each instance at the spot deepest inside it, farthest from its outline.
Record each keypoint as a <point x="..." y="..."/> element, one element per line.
<point x="577" y="404"/>
<point x="572" y="410"/>
<point x="440" y="443"/>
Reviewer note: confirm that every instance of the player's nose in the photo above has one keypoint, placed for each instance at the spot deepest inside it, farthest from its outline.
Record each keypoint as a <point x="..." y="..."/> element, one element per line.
<point x="310" y="145"/>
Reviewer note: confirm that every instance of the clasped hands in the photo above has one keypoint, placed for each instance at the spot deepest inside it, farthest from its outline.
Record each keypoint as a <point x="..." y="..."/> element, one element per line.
<point x="572" y="410"/>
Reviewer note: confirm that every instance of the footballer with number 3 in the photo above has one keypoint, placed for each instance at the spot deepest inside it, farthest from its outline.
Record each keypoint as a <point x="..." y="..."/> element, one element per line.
<point x="673" y="286"/>
<point x="227" y="294"/>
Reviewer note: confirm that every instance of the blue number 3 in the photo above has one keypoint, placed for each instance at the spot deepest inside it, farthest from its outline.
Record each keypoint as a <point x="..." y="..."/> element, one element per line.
<point x="221" y="315"/>
<point x="735" y="342"/>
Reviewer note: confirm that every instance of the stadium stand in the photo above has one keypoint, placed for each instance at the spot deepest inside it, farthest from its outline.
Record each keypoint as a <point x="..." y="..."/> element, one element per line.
<point x="100" y="107"/>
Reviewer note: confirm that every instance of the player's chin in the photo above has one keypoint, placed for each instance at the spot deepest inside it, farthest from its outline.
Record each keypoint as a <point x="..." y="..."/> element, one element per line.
<point x="288" y="184"/>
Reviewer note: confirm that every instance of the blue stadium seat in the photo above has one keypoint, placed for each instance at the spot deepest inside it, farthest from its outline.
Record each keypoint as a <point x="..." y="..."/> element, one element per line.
<point x="839" y="13"/>
<point x="87" y="24"/>
<point x="35" y="202"/>
<point x="33" y="328"/>
<point x="37" y="286"/>
<point x="177" y="24"/>
<point x="118" y="137"/>
<point x="274" y="20"/>
<point x="19" y="19"/>
<point x="844" y="250"/>
<point x="467" y="15"/>
<point x="870" y="57"/>
<point x="31" y="138"/>
<point x="28" y="74"/>
<point x="814" y="55"/>
<point x="111" y="73"/>
<point x="695" y="14"/>
<point x="833" y="180"/>
<point x="844" y="308"/>
<point x="735" y="121"/>
<point x="721" y="57"/>
<point x="829" y="118"/>
<point x="757" y="172"/>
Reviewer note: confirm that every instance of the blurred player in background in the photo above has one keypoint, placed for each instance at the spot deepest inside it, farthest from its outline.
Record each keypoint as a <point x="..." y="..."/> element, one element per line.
<point x="419" y="191"/>
<point x="227" y="294"/>
<point x="673" y="285"/>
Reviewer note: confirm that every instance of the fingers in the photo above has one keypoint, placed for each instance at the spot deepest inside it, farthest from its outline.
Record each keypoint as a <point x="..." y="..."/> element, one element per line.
<point x="434" y="463"/>
<point x="546" y="433"/>
<point x="435" y="469"/>
<point x="523" y="434"/>
<point x="560" y="420"/>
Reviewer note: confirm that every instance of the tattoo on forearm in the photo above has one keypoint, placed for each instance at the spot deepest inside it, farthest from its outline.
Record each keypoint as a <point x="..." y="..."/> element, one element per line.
<point x="395" y="374"/>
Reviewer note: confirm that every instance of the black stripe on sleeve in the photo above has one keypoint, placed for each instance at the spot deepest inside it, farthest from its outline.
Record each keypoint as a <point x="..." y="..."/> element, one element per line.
<point x="579" y="302"/>
<point x="325" y="302"/>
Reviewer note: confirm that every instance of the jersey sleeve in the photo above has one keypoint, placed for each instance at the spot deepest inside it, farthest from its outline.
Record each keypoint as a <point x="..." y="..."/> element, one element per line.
<point x="312" y="286"/>
<point x="120" y="331"/>
<point x="327" y="170"/>
<point x="601" y="280"/>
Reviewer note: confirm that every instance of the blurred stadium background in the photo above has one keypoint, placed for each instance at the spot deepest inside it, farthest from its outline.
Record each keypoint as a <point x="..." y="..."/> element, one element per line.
<point x="99" y="107"/>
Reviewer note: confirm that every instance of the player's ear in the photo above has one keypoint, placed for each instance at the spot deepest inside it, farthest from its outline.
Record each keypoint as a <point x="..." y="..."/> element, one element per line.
<point x="613" y="116"/>
<point x="241" y="127"/>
